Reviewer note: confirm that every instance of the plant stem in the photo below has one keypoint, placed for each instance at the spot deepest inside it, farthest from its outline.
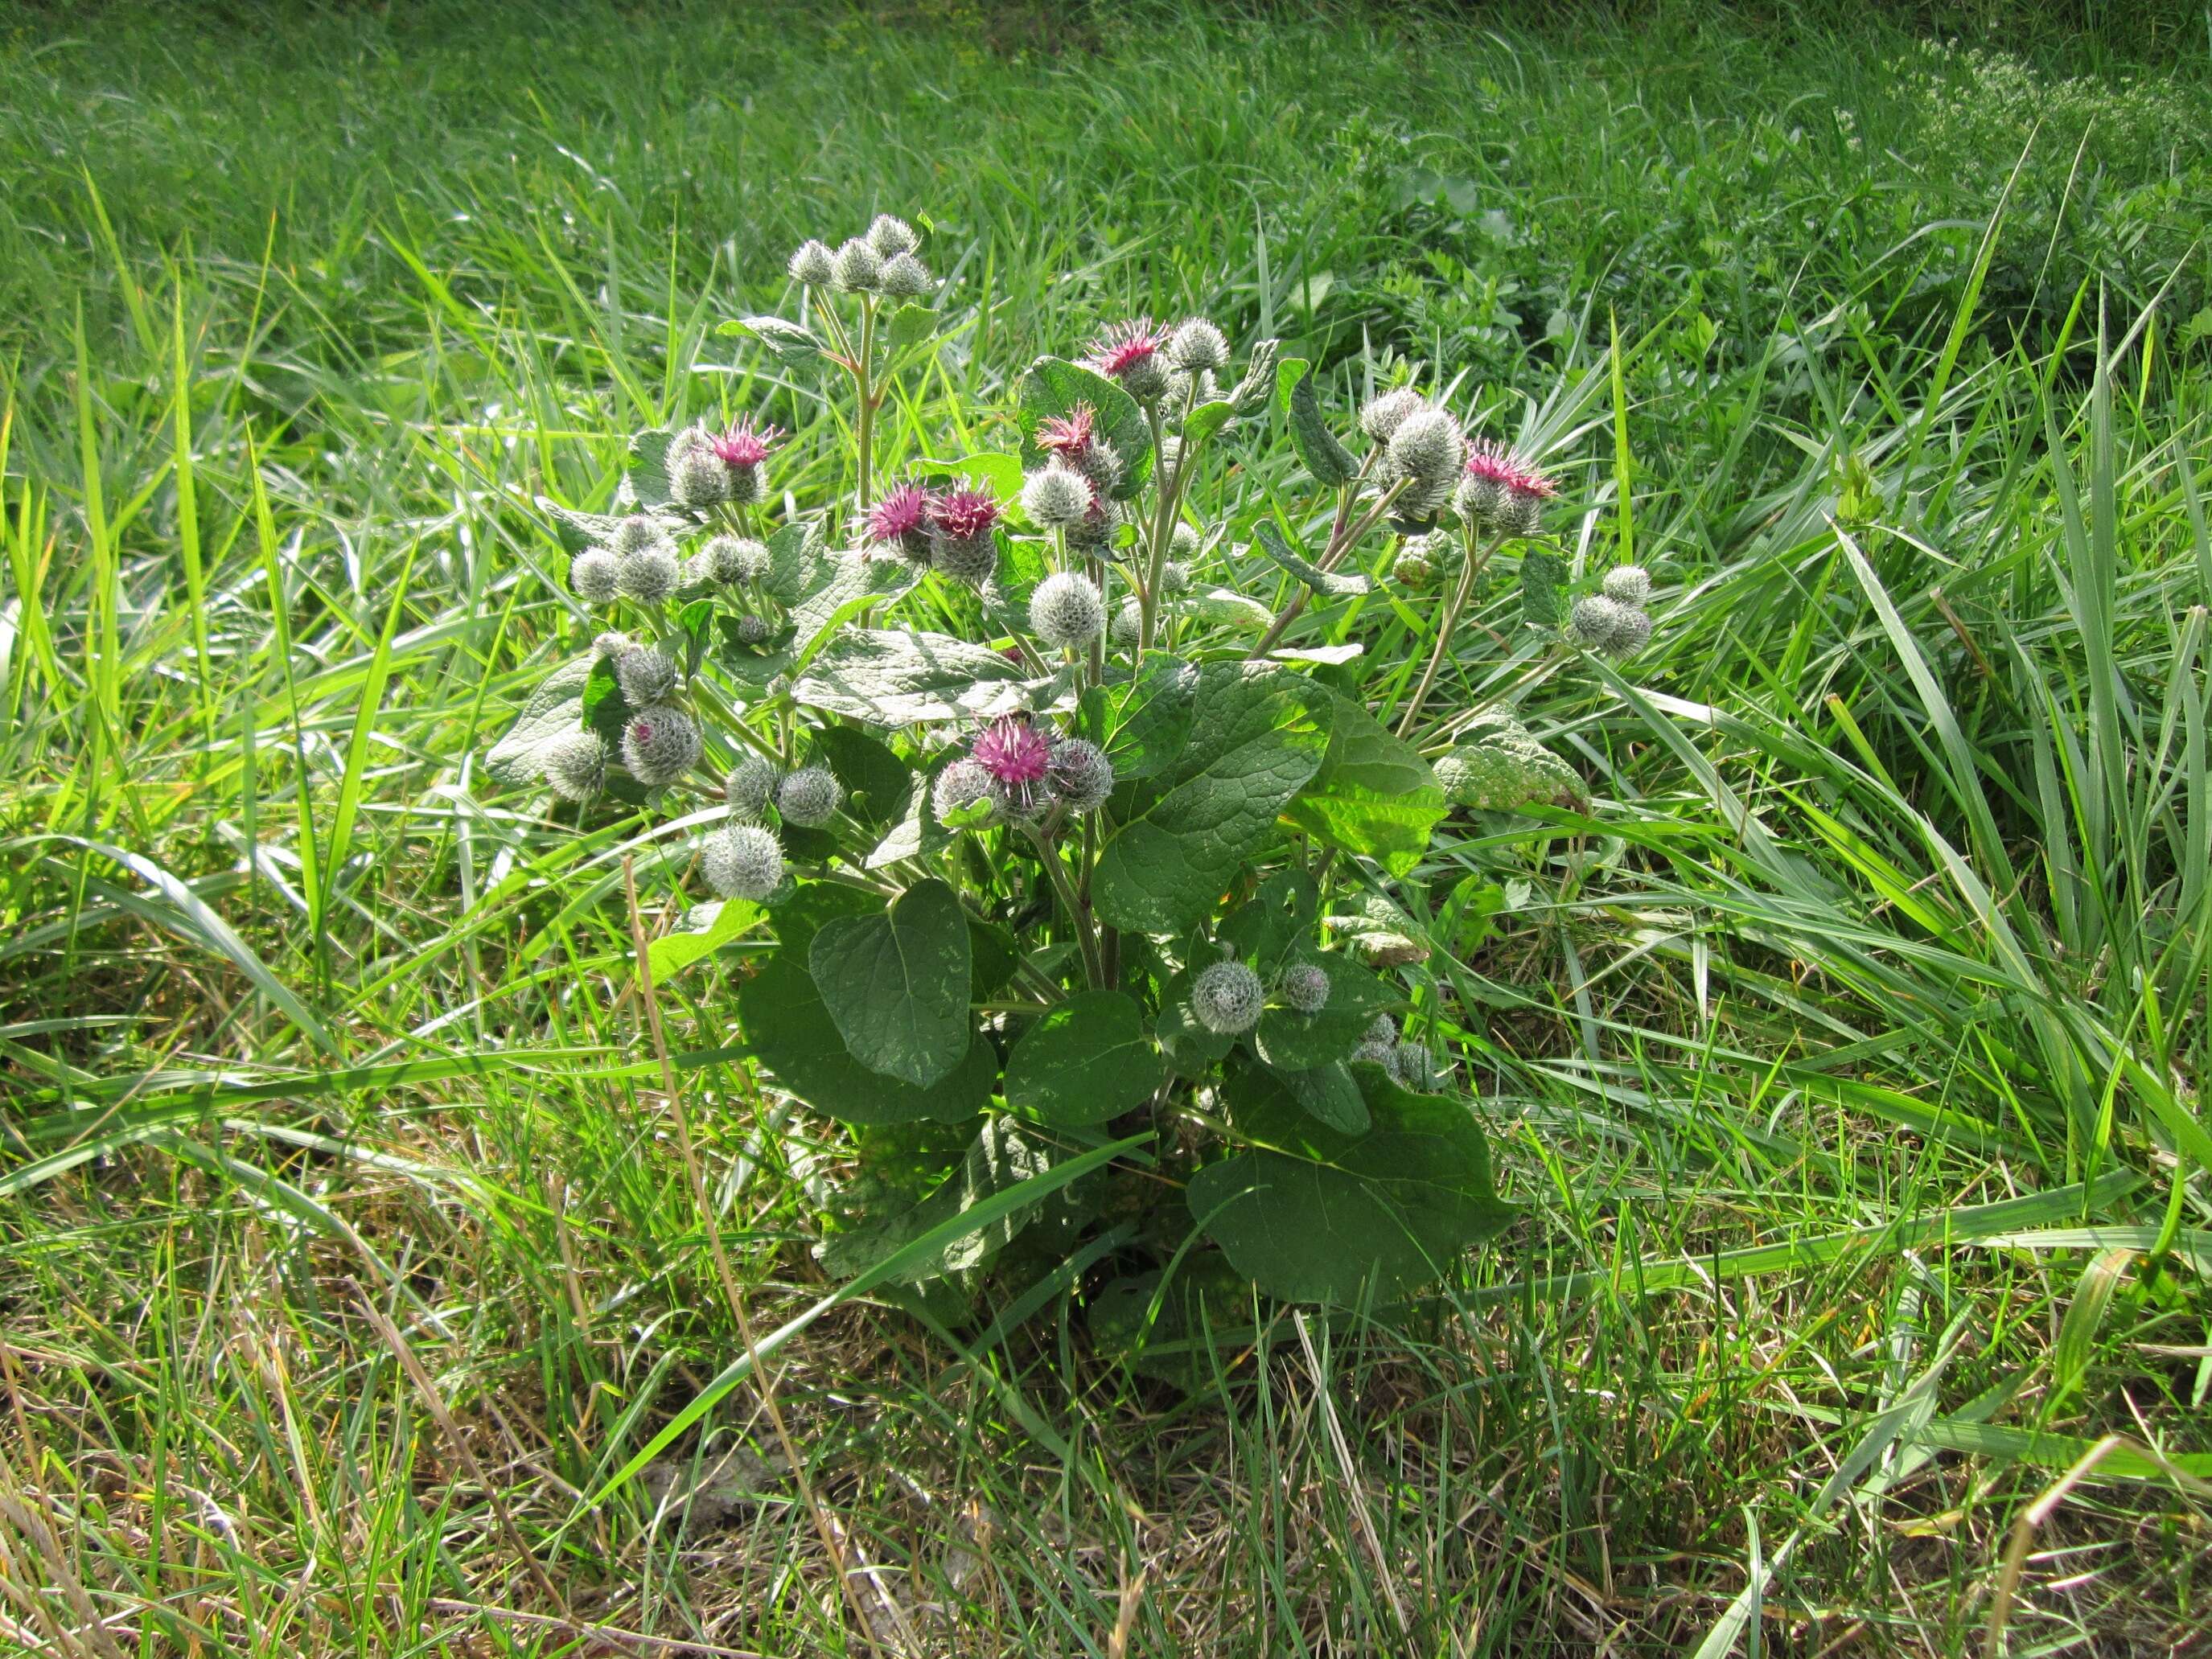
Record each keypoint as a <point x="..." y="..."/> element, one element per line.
<point x="864" y="436"/>
<point x="1077" y="917"/>
<point x="1340" y="542"/>
<point x="1459" y="598"/>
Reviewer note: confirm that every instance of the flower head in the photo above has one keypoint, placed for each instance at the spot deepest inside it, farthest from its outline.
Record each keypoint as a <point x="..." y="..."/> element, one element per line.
<point x="749" y="786"/>
<point x="1081" y="774"/>
<point x="743" y="860"/>
<point x="1509" y="469"/>
<point x="646" y="673"/>
<point x="856" y="267"/>
<point x="576" y="765"/>
<point x="1130" y="353"/>
<point x="891" y="236"/>
<point x="811" y="264"/>
<point x="1013" y="752"/>
<point x="965" y="795"/>
<point x="1427" y="446"/>
<point x="1304" y="987"/>
<point x="1056" y="496"/>
<point x="1068" y="434"/>
<point x="1629" y="585"/>
<point x="1387" y="411"/>
<point x="1227" y="998"/>
<point x="964" y="514"/>
<point x="660" y="743"/>
<point x="808" y="796"/>
<point x="1198" y="345"/>
<point x="1067" y="611"/>
<point x="905" y="278"/>
<point x="595" y="575"/>
<point x="903" y="516"/>
<point x="745" y="444"/>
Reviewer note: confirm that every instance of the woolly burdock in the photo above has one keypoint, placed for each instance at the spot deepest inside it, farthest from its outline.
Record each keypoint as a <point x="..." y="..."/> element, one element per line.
<point x="1066" y="611"/>
<point x="1384" y="414"/>
<point x="741" y="862"/>
<point x="1629" y="585"/>
<point x="1131" y="352"/>
<point x="576" y="765"/>
<point x="660" y="743"/>
<point x="749" y="786"/>
<point x="1197" y="345"/>
<point x="650" y="574"/>
<point x="596" y="576"/>
<point x="812" y="264"/>
<point x="1227" y="998"/>
<point x="1427" y="446"/>
<point x="1303" y="988"/>
<point x="1056" y="496"/>
<point x="1018" y="759"/>
<point x="809" y="797"/>
<point x="856" y="268"/>
<point x="965" y="795"/>
<point x="891" y="236"/>
<point x="1080" y="774"/>
<point x="901" y="519"/>
<point x="646" y="673"/>
<point x="961" y="522"/>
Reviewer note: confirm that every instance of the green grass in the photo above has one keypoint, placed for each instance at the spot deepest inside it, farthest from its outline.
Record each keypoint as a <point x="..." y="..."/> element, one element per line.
<point x="1847" y="1058"/>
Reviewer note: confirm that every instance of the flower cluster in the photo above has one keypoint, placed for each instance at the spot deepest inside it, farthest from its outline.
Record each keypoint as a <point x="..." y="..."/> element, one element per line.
<point x="884" y="261"/>
<point x="948" y="530"/>
<point x="1019" y="771"/>
<point x="1613" y="619"/>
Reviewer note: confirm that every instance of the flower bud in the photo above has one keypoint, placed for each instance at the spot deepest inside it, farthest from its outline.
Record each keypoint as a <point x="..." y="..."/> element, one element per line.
<point x="1095" y="529"/>
<point x="1414" y="1067"/>
<point x="1066" y="611"/>
<point x="736" y="560"/>
<point x="1129" y="622"/>
<point x="609" y="643"/>
<point x="1183" y="542"/>
<point x="576" y="765"/>
<point x="812" y="264"/>
<point x="1629" y="585"/>
<point x="892" y="236"/>
<point x="649" y="575"/>
<point x="1055" y="497"/>
<point x="595" y="575"/>
<point x="698" y="481"/>
<point x="1081" y="774"/>
<point x="905" y="278"/>
<point x="646" y="673"/>
<point x="1303" y="988"/>
<point x="1481" y="501"/>
<point x="660" y="743"/>
<point x="970" y="560"/>
<point x="1427" y="445"/>
<point x="1596" y="619"/>
<point x="745" y="484"/>
<point x="638" y="531"/>
<point x="1198" y="345"/>
<point x="1633" y="634"/>
<point x="749" y="786"/>
<point x="1100" y="463"/>
<point x="1375" y="1053"/>
<point x="1385" y="414"/>
<point x="1382" y="1029"/>
<point x="1227" y="998"/>
<point x="753" y="630"/>
<point x="809" y="797"/>
<point x="1523" y="513"/>
<point x="856" y="268"/>
<point x="743" y="860"/>
<point x="965" y="795"/>
<point x="1413" y="567"/>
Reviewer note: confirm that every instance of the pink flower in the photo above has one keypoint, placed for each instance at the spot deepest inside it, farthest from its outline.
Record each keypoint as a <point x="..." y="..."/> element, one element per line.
<point x="1068" y="436"/>
<point x="964" y="514"/>
<point x="902" y="513"/>
<point x="1127" y="347"/>
<point x="1014" y="752"/>
<point x="1494" y="463"/>
<point x="745" y="444"/>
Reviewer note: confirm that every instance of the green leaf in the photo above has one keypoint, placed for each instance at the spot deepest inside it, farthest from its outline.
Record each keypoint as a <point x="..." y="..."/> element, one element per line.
<point x="1329" y="461"/>
<point x="1144" y="723"/>
<point x="1374" y="795"/>
<point x="695" y="622"/>
<point x="792" y="1034"/>
<point x="899" y="677"/>
<point x="1204" y="422"/>
<point x="1190" y="1048"/>
<point x="578" y="531"/>
<point x="1252" y="392"/>
<point x="1329" y="1093"/>
<point x="1292" y="1042"/>
<point x="1276" y="919"/>
<point x="704" y="930"/>
<point x="1225" y="608"/>
<point x="646" y="469"/>
<point x="796" y="561"/>
<point x="1259" y="734"/>
<point x="1329" y="584"/>
<point x="1052" y="388"/>
<point x="793" y="343"/>
<point x="1543" y="572"/>
<point x="896" y="984"/>
<point x="852" y="583"/>
<point x="604" y="708"/>
<point x="1003" y="1156"/>
<point x="1288" y="374"/>
<point x="553" y="710"/>
<point x="878" y="783"/>
<point x="1313" y="1213"/>
<point x="1000" y="474"/>
<point x="1086" y="1060"/>
<point x="911" y="325"/>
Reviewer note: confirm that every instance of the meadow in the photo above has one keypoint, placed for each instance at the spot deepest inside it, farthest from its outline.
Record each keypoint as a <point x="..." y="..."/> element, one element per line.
<point x="1844" y="1051"/>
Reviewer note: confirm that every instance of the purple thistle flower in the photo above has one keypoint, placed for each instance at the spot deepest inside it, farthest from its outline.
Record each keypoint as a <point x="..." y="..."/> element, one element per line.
<point x="964" y="514"/>
<point x="1017" y="757"/>
<point x="903" y="516"/>
<point x="745" y="444"/>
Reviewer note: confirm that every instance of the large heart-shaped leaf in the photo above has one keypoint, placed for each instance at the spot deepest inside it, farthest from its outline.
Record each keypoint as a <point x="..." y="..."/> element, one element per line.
<point x="899" y="677"/>
<point x="1086" y="1060"/>
<point x="1312" y="1213"/>
<point x="1053" y="388"/>
<point x="784" y="1019"/>
<point x="1374" y="795"/>
<point x="1293" y="1042"/>
<point x="896" y="984"/>
<point x="1258" y="733"/>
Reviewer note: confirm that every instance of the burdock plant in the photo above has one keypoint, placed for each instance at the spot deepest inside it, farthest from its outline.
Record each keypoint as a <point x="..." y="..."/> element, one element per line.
<point x="1042" y="838"/>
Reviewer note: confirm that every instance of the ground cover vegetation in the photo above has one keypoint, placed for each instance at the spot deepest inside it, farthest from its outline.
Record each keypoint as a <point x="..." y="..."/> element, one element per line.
<point x="1109" y="832"/>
